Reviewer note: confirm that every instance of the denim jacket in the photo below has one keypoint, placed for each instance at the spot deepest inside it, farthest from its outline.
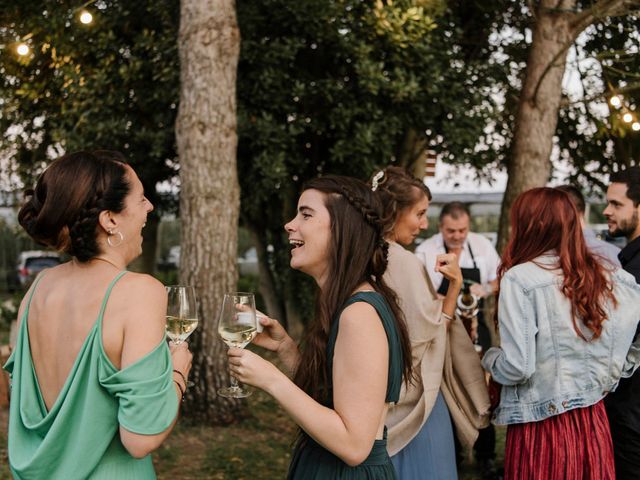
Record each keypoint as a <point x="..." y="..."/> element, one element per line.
<point x="544" y="367"/>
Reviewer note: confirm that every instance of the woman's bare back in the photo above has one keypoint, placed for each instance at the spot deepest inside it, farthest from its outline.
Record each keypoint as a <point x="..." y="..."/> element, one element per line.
<point x="64" y="309"/>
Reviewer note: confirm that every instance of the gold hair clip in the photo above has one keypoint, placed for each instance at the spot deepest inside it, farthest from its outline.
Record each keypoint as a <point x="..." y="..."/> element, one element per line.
<point x="377" y="180"/>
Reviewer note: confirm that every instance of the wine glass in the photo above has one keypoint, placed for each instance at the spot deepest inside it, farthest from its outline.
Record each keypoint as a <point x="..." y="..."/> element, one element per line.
<point x="182" y="314"/>
<point x="237" y="327"/>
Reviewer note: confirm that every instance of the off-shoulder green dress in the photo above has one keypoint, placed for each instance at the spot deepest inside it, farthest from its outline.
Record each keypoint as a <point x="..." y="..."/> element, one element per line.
<point x="78" y="438"/>
<point x="310" y="460"/>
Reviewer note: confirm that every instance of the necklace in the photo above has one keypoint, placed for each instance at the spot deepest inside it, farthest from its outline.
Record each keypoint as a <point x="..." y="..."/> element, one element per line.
<point x="107" y="261"/>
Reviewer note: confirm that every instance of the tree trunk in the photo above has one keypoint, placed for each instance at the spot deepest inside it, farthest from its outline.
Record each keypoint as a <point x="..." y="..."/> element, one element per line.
<point x="146" y="262"/>
<point x="209" y="44"/>
<point x="412" y="151"/>
<point x="266" y="283"/>
<point x="537" y="115"/>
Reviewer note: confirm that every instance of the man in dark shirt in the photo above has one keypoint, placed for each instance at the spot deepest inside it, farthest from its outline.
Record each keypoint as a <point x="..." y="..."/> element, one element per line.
<point x="623" y="405"/>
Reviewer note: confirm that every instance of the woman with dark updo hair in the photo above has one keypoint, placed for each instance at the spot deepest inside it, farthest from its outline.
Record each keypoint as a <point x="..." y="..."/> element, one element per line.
<point x="95" y="387"/>
<point x="356" y="352"/>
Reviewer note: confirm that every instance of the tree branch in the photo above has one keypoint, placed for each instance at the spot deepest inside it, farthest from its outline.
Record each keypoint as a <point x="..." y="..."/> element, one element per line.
<point x="601" y="8"/>
<point x="546" y="70"/>
<point x="627" y="89"/>
<point x="532" y="8"/>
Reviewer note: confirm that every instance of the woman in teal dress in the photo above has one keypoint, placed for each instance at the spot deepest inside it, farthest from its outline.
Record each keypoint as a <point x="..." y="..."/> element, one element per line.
<point x="356" y="352"/>
<point x="94" y="386"/>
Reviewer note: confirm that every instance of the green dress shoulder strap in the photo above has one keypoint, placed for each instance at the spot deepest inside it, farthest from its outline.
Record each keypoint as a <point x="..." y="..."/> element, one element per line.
<point x="378" y="302"/>
<point x="78" y="438"/>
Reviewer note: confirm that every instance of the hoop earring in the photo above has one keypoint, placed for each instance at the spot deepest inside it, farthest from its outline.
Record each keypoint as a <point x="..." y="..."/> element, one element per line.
<point x="111" y="234"/>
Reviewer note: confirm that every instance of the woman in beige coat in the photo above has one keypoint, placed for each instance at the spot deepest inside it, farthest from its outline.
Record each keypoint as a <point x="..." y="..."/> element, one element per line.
<point x="420" y="439"/>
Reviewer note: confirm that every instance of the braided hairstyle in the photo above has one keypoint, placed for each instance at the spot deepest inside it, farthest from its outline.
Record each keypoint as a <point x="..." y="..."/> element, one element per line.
<point x="398" y="190"/>
<point x="62" y="211"/>
<point x="357" y="254"/>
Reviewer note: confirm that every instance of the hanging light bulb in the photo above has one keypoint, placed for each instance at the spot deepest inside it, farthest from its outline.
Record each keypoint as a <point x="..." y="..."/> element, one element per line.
<point x="635" y="126"/>
<point x="22" y="49"/>
<point x="615" y="101"/>
<point x="86" y="17"/>
<point x="627" y="117"/>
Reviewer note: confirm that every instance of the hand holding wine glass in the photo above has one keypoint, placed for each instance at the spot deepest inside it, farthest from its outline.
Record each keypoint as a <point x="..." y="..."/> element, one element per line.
<point x="182" y="314"/>
<point x="237" y="327"/>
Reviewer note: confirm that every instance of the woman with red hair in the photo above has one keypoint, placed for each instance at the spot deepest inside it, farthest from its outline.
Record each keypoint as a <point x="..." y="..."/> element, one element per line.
<point x="567" y="327"/>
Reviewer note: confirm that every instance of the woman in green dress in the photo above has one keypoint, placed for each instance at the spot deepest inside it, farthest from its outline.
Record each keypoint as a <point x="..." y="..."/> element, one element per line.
<point x="95" y="387"/>
<point x="356" y="352"/>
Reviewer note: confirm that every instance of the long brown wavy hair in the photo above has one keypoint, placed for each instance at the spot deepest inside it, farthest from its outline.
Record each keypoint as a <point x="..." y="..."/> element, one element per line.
<point x="545" y="219"/>
<point x="357" y="254"/>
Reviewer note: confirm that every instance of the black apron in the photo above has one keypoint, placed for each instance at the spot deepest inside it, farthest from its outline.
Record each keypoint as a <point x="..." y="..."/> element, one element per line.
<point x="471" y="276"/>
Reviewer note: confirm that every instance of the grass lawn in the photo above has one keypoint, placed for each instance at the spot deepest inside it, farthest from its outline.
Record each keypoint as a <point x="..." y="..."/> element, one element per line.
<point x="259" y="447"/>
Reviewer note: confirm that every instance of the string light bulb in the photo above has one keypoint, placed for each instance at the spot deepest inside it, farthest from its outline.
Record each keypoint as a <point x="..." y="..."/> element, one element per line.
<point x="86" y="17"/>
<point x="615" y="101"/>
<point x="627" y="117"/>
<point x="635" y="126"/>
<point x="22" y="49"/>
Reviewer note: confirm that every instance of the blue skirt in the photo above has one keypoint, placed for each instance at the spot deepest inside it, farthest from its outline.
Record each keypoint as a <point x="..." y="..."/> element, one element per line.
<point x="431" y="453"/>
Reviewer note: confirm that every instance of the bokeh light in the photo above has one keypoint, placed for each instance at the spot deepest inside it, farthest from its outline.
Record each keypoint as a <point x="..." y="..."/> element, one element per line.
<point x="22" y="49"/>
<point x="86" y="17"/>
<point x="615" y="101"/>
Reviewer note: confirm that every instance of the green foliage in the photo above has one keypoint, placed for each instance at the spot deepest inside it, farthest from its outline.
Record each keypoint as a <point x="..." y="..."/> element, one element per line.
<point x="112" y="84"/>
<point x="8" y="311"/>
<point x="336" y="87"/>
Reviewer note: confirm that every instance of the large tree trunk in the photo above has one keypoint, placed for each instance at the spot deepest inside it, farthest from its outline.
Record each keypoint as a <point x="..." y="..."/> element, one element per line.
<point x="412" y="151"/>
<point x="537" y="116"/>
<point x="557" y="23"/>
<point x="209" y="44"/>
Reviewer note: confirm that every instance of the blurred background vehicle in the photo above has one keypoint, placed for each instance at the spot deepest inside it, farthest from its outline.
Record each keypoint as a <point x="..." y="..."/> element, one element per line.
<point x="247" y="263"/>
<point x="171" y="261"/>
<point x="32" y="262"/>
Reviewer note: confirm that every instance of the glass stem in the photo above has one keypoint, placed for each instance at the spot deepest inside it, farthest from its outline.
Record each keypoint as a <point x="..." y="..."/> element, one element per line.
<point x="234" y="382"/>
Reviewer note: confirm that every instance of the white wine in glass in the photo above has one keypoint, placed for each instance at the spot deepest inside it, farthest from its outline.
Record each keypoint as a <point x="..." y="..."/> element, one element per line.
<point x="237" y="327"/>
<point x="182" y="314"/>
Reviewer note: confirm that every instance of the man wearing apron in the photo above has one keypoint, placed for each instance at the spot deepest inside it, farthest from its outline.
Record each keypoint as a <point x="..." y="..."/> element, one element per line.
<point x="479" y="263"/>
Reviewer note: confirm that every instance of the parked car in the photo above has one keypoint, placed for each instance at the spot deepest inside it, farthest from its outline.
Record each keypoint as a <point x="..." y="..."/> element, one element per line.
<point x="32" y="262"/>
<point x="171" y="261"/>
<point x="248" y="263"/>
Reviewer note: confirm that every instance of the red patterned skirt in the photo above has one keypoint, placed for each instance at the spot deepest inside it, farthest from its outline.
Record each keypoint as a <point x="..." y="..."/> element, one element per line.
<point x="575" y="445"/>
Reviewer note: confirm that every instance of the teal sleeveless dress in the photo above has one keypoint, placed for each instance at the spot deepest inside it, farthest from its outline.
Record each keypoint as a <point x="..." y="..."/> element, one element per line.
<point x="78" y="438"/>
<point x="310" y="460"/>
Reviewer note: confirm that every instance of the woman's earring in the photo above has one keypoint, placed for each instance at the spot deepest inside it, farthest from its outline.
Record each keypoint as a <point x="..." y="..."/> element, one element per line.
<point x="110" y="238"/>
